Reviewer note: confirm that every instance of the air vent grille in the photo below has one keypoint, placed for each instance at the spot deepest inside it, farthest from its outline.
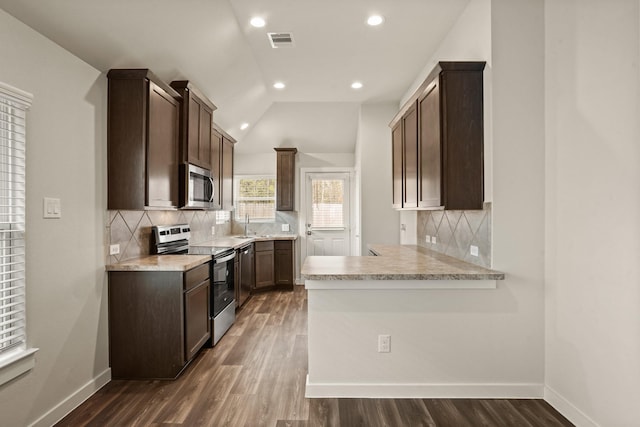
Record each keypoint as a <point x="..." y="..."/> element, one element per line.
<point x="279" y="40"/>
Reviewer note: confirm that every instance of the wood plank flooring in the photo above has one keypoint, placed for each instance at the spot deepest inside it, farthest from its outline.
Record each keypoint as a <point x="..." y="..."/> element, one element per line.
<point x="256" y="375"/>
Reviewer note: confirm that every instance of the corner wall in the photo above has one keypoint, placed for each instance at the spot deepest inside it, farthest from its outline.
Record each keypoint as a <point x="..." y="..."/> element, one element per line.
<point x="66" y="280"/>
<point x="379" y="222"/>
<point x="593" y="211"/>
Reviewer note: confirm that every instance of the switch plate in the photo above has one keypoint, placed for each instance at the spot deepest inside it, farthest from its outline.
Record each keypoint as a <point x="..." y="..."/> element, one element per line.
<point x="114" y="249"/>
<point x="434" y="240"/>
<point x="213" y="230"/>
<point x="473" y="250"/>
<point x="51" y="208"/>
<point x="285" y="227"/>
<point x="384" y="343"/>
<point x="427" y="238"/>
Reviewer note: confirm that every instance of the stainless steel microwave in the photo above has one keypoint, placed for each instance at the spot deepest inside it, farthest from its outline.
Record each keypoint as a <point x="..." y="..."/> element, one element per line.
<point x="199" y="187"/>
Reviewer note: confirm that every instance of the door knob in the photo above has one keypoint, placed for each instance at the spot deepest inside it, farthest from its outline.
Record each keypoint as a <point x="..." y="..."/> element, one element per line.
<point x="308" y="233"/>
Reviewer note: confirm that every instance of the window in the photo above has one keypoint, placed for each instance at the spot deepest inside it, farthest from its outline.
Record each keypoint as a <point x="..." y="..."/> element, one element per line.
<point x="327" y="203"/>
<point x="255" y="196"/>
<point x="13" y="106"/>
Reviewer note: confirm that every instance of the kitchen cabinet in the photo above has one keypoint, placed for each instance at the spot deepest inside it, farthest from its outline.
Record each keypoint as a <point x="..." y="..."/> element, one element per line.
<point x="158" y="321"/>
<point x="196" y="120"/>
<point x="274" y="264"/>
<point x="397" y="161"/>
<point x="142" y="141"/>
<point x="264" y="263"/>
<point x="216" y="168"/>
<point x="284" y="263"/>
<point x="444" y="121"/>
<point x="222" y="148"/>
<point x="285" y="178"/>
<point x="227" y="172"/>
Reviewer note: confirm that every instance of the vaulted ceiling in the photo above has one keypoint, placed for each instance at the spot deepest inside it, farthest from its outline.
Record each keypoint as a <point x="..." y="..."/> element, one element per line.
<point x="211" y="43"/>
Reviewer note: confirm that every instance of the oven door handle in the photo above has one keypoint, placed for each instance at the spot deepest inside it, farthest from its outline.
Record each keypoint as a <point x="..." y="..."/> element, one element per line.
<point x="225" y="259"/>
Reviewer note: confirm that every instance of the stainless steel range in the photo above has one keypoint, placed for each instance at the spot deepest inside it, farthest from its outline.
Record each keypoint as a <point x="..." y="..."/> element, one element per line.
<point x="174" y="239"/>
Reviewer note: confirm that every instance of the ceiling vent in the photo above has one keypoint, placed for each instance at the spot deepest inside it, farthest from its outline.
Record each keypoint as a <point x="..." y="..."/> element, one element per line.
<point x="279" y="40"/>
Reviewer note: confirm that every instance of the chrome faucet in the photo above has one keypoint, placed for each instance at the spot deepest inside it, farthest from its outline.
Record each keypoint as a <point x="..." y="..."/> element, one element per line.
<point x="246" y="225"/>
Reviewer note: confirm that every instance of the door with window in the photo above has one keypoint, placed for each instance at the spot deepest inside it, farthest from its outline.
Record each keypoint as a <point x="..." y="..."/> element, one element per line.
<point x="327" y="205"/>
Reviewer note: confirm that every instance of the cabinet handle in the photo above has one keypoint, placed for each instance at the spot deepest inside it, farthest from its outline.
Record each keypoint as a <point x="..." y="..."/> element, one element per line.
<point x="213" y="190"/>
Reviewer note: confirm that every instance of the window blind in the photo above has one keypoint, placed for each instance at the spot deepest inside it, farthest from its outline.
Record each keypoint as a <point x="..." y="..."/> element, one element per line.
<point x="13" y="106"/>
<point x="327" y="203"/>
<point x="256" y="197"/>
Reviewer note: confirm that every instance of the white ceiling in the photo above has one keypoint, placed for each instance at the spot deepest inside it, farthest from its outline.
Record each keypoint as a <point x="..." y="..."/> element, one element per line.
<point x="211" y="43"/>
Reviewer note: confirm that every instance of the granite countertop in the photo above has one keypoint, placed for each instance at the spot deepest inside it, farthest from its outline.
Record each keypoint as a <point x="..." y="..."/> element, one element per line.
<point x="395" y="262"/>
<point x="236" y="242"/>
<point x="161" y="263"/>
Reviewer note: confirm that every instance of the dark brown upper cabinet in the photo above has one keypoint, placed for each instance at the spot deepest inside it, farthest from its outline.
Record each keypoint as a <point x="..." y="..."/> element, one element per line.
<point x="216" y="167"/>
<point x="285" y="178"/>
<point x="447" y="130"/>
<point x="142" y="141"/>
<point x="196" y="120"/>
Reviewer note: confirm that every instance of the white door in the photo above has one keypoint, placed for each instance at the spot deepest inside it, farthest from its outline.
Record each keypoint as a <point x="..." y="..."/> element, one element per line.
<point x="327" y="227"/>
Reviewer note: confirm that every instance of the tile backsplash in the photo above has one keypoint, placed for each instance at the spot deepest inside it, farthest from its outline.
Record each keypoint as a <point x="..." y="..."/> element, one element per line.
<point x="263" y="228"/>
<point x="132" y="229"/>
<point x="456" y="231"/>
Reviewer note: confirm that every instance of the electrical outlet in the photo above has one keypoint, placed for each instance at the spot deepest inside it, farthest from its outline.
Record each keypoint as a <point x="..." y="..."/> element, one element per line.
<point x="473" y="250"/>
<point x="434" y="240"/>
<point x="114" y="249"/>
<point x="427" y="238"/>
<point x="213" y="230"/>
<point x="384" y="343"/>
<point x="285" y="227"/>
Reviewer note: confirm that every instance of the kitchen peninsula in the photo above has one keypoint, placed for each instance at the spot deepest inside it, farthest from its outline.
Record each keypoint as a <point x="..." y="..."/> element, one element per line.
<point x="433" y="309"/>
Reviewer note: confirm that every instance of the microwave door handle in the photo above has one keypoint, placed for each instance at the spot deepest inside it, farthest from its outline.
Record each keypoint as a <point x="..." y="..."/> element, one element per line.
<point x="213" y="191"/>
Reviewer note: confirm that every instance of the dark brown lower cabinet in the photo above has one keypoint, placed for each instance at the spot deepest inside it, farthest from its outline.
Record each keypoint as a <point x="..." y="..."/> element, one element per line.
<point x="284" y="265"/>
<point x="274" y="264"/>
<point x="158" y="321"/>
<point x="264" y="256"/>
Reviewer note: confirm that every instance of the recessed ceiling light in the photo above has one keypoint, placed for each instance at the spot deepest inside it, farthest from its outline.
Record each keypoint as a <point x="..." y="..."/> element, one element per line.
<point x="375" y="20"/>
<point x="356" y="85"/>
<point x="279" y="85"/>
<point x="244" y="126"/>
<point x="257" y="22"/>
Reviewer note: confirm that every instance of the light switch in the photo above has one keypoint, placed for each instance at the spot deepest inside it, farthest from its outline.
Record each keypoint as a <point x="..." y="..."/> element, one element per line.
<point x="434" y="240"/>
<point x="285" y="227"/>
<point x="51" y="208"/>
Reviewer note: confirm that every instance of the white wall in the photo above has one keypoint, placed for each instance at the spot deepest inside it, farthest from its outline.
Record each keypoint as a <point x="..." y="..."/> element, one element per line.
<point x="378" y="221"/>
<point x="517" y="52"/>
<point x="66" y="281"/>
<point x="593" y="210"/>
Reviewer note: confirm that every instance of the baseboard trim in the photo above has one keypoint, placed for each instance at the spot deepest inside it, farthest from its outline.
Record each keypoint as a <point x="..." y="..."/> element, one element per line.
<point x="74" y="400"/>
<point x="567" y="409"/>
<point x="424" y="391"/>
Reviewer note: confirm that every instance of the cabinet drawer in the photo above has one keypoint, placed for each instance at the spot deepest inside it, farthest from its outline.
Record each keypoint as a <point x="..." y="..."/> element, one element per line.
<point x="283" y="244"/>
<point x="264" y="246"/>
<point x="196" y="275"/>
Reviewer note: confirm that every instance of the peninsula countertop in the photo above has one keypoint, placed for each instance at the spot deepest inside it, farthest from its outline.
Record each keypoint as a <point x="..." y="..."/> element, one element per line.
<point x="395" y="262"/>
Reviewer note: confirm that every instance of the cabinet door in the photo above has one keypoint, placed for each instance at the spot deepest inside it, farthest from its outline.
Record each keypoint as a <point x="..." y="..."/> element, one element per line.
<point x="216" y="168"/>
<point x="264" y="269"/>
<point x="227" y="174"/>
<point x="396" y="141"/>
<point x="162" y="149"/>
<point x="204" y="140"/>
<point x="283" y="270"/>
<point x="196" y="315"/>
<point x="410" y="142"/>
<point x="285" y="179"/>
<point x="430" y="181"/>
<point x="193" y="130"/>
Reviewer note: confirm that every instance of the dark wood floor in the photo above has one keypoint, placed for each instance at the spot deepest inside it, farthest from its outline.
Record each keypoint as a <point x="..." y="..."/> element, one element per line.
<point x="256" y="374"/>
